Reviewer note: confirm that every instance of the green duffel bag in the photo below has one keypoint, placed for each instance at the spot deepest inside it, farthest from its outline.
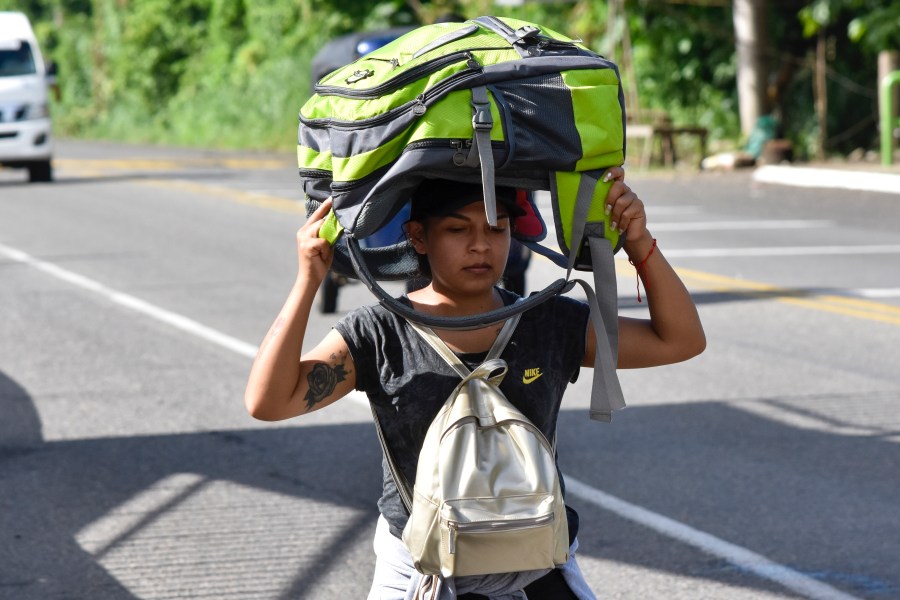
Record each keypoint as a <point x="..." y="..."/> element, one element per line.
<point x="492" y="100"/>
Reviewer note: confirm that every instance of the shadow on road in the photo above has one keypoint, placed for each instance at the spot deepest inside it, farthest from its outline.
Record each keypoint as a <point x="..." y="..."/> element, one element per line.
<point x="720" y="478"/>
<point x="724" y="297"/>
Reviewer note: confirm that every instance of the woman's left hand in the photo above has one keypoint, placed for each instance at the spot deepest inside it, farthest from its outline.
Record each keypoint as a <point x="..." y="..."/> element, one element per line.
<point x="626" y="211"/>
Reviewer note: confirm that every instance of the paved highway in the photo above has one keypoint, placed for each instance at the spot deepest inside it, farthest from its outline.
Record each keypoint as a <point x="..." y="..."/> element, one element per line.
<point x="136" y="287"/>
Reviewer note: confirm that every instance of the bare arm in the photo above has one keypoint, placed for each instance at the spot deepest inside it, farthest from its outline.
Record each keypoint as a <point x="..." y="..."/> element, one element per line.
<point x="282" y="384"/>
<point x="673" y="332"/>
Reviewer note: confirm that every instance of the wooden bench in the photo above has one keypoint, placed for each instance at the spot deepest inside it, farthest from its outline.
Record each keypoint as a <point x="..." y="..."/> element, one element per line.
<point x="667" y="135"/>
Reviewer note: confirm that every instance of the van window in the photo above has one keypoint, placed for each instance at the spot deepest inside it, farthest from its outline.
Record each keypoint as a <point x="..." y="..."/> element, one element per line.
<point x="16" y="60"/>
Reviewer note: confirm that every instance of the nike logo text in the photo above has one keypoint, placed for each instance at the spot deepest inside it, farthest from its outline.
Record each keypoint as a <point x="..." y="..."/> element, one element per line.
<point x="530" y="375"/>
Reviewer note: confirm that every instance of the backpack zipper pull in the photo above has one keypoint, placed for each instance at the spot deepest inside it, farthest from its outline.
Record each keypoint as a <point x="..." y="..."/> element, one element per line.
<point x="471" y="61"/>
<point x="458" y="157"/>
<point x="420" y="108"/>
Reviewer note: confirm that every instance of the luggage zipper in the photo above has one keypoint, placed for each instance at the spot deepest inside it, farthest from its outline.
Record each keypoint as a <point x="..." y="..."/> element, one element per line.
<point x="315" y="173"/>
<point x="400" y="80"/>
<point x="394" y="62"/>
<point x="418" y="106"/>
<point x="456" y="527"/>
<point x="459" y="158"/>
<point x="461" y="147"/>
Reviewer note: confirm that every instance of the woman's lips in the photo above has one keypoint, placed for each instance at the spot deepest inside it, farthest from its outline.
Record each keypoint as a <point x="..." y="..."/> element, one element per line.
<point x="479" y="268"/>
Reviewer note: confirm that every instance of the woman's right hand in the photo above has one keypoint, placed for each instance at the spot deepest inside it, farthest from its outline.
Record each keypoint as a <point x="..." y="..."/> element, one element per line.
<point x="314" y="254"/>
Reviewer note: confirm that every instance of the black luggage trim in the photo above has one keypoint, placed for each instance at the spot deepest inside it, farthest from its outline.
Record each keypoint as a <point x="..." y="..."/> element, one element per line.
<point x="423" y="100"/>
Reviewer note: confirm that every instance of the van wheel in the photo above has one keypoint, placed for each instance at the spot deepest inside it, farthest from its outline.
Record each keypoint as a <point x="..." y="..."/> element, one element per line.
<point x="40" y="171"/>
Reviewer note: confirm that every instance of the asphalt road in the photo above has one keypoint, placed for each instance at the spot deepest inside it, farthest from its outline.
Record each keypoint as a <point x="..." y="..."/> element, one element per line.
<point x="134" y="289"/>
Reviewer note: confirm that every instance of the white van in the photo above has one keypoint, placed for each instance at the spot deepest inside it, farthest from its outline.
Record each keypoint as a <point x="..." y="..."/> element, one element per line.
<point x="25" y="137"/>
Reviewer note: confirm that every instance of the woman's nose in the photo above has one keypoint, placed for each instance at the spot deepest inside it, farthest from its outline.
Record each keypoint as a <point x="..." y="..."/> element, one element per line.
<point x="481" y="240"/>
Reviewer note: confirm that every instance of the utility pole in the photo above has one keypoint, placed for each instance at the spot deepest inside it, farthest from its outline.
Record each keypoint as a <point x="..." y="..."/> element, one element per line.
<point x="751" y="40"/>
<point x="888" y="103"/>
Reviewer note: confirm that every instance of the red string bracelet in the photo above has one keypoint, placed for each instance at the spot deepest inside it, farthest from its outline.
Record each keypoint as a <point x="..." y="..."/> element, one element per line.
<point x="639" y="268"/>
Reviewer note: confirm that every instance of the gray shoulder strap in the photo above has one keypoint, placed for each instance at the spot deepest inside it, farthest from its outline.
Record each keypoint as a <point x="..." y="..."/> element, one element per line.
<point x="448" y="355"/>
<point x="560" y="286"/>
<point x="481" y="151"/>
<point x="606" y="392"/>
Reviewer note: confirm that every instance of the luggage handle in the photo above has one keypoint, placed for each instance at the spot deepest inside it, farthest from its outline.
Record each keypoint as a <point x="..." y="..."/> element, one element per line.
<point x="515" y="37"/>
<point x="446" y="39"/>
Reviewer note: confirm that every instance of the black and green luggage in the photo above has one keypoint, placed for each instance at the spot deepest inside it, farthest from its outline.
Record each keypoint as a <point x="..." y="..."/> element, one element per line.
<point x="496" y="101"/>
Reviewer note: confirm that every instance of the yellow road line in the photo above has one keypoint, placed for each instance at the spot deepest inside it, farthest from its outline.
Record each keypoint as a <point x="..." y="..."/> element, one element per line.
<point x="94" y="168"/>
<point x="850" y="312"/>
<point x="861" y="303"/>
<point x="852" y="307"/>
<point x="169" y="164"/>
<point x="250" y="198"/>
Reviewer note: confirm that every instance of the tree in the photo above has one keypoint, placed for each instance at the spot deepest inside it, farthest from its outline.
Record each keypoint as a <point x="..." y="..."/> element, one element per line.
<point x="751" y="38"/>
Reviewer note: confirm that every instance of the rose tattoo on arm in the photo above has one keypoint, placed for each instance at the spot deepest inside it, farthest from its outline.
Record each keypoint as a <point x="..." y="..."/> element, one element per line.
<point x="322" y="380"/>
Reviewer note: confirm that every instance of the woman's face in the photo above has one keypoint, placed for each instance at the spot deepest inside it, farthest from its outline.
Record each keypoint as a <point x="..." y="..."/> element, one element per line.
<point x="466" y="254"/>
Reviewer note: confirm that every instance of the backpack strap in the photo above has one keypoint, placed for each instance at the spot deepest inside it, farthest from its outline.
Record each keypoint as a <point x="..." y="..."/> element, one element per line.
<point x="481" y="151"/>
<point x="448" y="355"/>
<point x="452" y="359"/>
<point x="560" y="286"/>
<point x="606" y="392"/>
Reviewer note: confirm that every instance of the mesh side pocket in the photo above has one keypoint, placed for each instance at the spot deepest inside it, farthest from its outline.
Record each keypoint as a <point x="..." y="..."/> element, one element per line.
<point x="541" y="122"/>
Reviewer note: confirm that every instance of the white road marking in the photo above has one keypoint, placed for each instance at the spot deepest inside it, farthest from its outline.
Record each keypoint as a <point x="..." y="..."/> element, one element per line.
<point x="98" y="537"/>
<point x="737" y="225"/>
<point x="871" y="181"/>
<point x="781" y="251"/>
<point x="876" y="293"/>
<point x="736" y="555"/>
<point x="685" y="209"/>
<point x="162" y="315"/>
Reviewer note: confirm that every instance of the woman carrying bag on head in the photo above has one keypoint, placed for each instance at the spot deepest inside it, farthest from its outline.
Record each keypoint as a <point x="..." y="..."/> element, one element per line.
<point x="376" y="351"/>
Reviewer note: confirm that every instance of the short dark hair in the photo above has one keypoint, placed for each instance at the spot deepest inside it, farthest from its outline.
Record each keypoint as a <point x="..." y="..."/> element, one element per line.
<point x="440" y="197"/>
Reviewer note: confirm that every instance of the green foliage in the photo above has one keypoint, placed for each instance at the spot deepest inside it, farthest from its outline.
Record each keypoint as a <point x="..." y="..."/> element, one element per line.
<point x="874" y="24"/>
<point x="228" y="73"/>
<point x="686" y="65"/>
<point x="877" y="28"/>
<point x="235" y="72"/>
<point x="854" y="32"/>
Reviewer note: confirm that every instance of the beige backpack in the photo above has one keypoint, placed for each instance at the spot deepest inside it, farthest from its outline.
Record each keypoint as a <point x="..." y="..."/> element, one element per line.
<point x="487" y="497"/>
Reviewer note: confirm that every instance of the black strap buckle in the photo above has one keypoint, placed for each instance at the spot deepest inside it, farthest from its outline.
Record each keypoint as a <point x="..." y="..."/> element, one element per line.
<point x="482" y="119"/>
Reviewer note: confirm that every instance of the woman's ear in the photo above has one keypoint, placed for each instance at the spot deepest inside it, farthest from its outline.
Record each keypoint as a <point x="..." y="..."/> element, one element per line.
<point x="415" y="234"/>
